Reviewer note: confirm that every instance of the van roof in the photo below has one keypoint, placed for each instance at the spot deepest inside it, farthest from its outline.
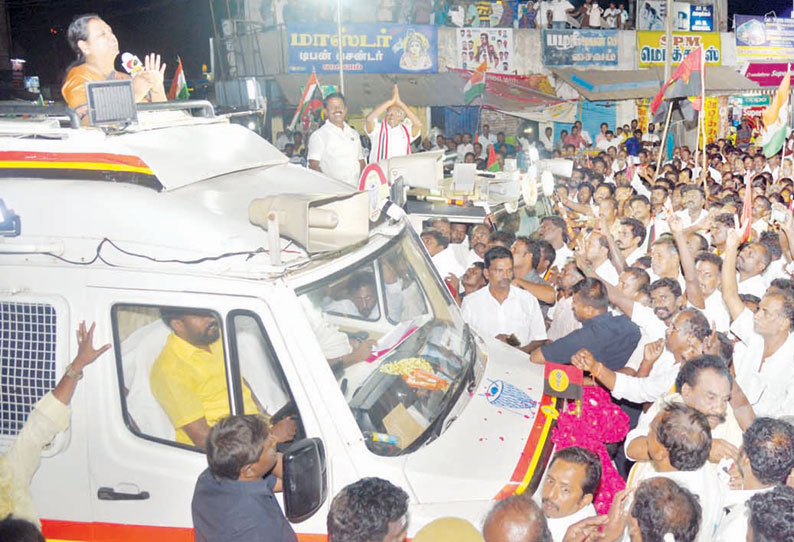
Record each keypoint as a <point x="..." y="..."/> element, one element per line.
<point x="173" y="193"/>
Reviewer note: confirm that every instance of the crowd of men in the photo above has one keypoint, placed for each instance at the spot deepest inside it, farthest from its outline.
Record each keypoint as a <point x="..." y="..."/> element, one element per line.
<point x="671" y="288"/>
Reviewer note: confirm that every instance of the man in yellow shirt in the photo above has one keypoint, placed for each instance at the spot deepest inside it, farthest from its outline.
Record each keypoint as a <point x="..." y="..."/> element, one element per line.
<point x="188" y="378"/>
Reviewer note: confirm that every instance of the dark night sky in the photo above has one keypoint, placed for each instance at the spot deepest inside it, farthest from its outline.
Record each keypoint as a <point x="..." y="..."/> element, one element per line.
<point x="170" y="27"/>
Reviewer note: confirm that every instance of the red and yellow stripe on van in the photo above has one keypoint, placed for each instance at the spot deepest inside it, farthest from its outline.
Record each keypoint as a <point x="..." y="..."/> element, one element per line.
<point x="77" y="165"/>
<point x="536" y="450"/>
<point x="74" y="531"/>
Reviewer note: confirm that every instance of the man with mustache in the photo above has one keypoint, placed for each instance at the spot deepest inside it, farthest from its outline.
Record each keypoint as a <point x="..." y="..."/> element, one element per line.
<point x="568" y="489"/>
<point x="335" y="148"/>
<point x="705" y="384"/>
<point x="685" y="339"/>
<point x="502" y="310"/>
<point x="188" y="378"/>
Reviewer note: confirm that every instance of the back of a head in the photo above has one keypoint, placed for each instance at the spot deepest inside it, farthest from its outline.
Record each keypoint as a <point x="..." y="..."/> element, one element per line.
<point x="516" y="519"/>
<point x="592" y="293"/>
<point x="772" y="515"/>
<point x="661" y="506"/>
<point x="686" y="435"/>
<point x="448" y="530"/>
<point x="769" y="445"/>
<point x="234" y="442"/>
<point x="19" y="530"/>
<point x="362" y="511"/>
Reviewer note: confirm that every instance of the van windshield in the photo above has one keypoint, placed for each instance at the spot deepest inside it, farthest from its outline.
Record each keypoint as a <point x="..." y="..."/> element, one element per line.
<point x="395" y="341"/>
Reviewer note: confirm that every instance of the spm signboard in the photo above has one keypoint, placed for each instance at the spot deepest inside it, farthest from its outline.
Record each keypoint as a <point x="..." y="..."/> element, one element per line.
<point x="651" y="47"/>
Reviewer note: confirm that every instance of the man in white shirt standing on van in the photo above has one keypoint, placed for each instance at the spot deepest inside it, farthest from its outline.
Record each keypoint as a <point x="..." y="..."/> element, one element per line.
<point x="393" y="135"/>
<point x="335" y="149"/>
<point x="502" y="310"/>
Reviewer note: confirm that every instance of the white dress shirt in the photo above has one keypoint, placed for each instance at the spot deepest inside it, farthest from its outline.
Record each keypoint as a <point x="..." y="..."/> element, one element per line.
<point x="563" y="320"/>
<point x="648" y="389"/>
<point x="769" y="387"/>
<point x="636" y="254"/>
<point x="339" y="152"/>
<point x="755" y="285"/>
<point x="607" y="272"/>
<point x="559" y="526"/>
<point x="519" y="314"/>
<point x="651" y="329"/>
<point x="447" y="264"/>
<point x="561" y="256"/>
<point x="397" y="140"/>
<point x="716" y="312"/>
<point x="686" y="218"/>
<point x="733" y="527"/>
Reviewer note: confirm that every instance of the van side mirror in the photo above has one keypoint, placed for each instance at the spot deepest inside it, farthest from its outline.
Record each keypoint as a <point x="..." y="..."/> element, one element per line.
<point x="305" y="479"/>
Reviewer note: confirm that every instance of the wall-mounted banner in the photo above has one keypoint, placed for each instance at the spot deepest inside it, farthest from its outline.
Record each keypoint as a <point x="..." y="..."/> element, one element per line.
<point x="367" y="48"/>
<point x="651" y="47"/>
<point x="766" y="75"/>
<point x="687" y="17"/>
<point x="580" y="47"/>
<point x="758" y="38"/>
<point x="492" y="45"/>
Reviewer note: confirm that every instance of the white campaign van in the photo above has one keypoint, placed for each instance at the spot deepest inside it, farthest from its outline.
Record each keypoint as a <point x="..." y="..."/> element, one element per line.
<point x="197" y="214"/>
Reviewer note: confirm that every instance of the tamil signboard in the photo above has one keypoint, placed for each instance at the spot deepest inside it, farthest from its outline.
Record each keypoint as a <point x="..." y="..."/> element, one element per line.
<point x="366" y="48"/>
<point x="563" y="48"/>
<point x="651" y="15"/>
<point x="766" y="75"/>
<point x="491" y="45"/>
<point x="760" y="38"/>
<point x="651" y="47"/>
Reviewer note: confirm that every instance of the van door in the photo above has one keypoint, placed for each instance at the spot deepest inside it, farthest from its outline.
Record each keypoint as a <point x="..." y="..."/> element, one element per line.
<point x="142" y="468"/>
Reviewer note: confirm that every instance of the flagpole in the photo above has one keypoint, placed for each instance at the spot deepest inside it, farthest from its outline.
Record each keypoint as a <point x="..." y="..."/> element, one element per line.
<point x="703" y="114"/>
<point x="664" y="141"/>
<point x="339" y="39"/>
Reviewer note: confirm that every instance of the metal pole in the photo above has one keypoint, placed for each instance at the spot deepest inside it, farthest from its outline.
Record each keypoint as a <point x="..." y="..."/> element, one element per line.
<point x="339" y="39"/>
<point x="668" y="35"/>
<point x="664" y="141"/>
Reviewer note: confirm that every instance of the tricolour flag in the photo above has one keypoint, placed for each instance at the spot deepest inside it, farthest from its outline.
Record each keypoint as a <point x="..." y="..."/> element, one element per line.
<point x="311" y="101"/>
<point x="685" y="80"/>
<point x="475" y="86"/>
<point x="178" y="89"/>
<point x="775" y="119"/>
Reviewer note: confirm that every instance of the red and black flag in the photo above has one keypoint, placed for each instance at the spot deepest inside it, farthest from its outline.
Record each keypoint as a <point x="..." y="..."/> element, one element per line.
<point x="684" y="82"/>
<point x="563" y="381"/>
<point x="311" y="101"/>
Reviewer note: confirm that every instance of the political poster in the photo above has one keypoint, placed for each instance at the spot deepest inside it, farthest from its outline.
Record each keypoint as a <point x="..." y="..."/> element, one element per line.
<point x="491" y="45"/>
<point x="651" y="47"/>
<point x="366" y="48"/>
<point x="760" y="38"/>
<point x="651" y="15"/>
<point x="573" y="47"/>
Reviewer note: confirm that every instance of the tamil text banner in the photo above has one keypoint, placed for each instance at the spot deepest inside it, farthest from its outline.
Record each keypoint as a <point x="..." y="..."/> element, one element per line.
<point x="580" y="47"/>
<point x="764" y="39"/>
<point x="491" y="45"/>
<point x="367" y="48"/>
<point x="651" y="47"/>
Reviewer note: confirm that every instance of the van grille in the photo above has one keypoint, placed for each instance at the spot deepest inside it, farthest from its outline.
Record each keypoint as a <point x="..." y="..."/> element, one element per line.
<point x="27" y="360"/>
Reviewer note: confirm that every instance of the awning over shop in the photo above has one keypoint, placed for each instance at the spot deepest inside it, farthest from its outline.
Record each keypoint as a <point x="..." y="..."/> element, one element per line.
<point x="441" y="89"/>
<point x="631" y="84"/>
